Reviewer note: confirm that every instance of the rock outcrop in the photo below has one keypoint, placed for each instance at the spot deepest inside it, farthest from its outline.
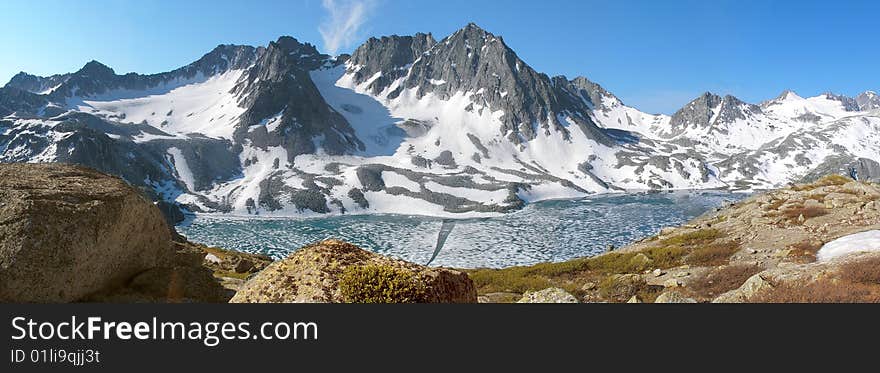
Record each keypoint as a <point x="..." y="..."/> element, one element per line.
<point x="333" y="271"/>
<point x="68" y="233"/>
<point x="765" y="248"/>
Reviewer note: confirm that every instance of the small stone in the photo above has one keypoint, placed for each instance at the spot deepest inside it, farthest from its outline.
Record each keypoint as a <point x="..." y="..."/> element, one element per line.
<point x="589" y="286"/>
<point x="657" y="272"/>
<point x="673" y="297"/>
<point x="671" y="283"/>
<point x="634" y="299"/>
<point x="549" y="295"/>
<point x="752" y="287"/>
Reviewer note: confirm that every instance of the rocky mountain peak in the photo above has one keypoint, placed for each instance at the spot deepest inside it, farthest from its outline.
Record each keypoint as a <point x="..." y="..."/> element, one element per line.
<point x="868" y="100"/>
<point x="696" y="113"/>
<point x="710" y="109"/>
<point x="279" y="84"/>
<point x="475" y="41"/>
<point x="288" y="53"/>
<point x="96" y="70"/>
<point x="223" y="58"/>
<point x="594" y="93"/>
<point x="25" y="81"/>
<point x="292" y="45"/>
<point x="390" y="55"/>
<point x="479" y="64"/>
<point x="788" y="95"/>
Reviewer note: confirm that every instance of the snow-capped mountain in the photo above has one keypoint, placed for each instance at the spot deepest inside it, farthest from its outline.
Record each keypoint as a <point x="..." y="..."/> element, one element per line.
<point x="408" y="124"/>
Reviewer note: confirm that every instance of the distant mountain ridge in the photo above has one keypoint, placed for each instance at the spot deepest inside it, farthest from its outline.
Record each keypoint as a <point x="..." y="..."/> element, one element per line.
<point x="409" y="124"/>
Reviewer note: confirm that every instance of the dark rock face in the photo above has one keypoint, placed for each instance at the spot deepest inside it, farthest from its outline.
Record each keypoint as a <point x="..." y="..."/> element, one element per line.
<point x="309" y="200"/>
<point x="358" y="197"/>
<point x="19" y="101"/>
<point x="279" y="82"/>
<point x="701" y="112"/>
<point x="445" y="158"/>
<point x="389" y="55"/>
<point x="590" y="91"/>
<point x="209" y="159"/>
<point x="370" y="177"/>
<point x="36" y="84"/>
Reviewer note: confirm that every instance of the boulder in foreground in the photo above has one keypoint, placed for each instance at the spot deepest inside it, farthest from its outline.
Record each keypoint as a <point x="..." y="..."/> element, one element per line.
<point x="333" y="271"/>
<point x="69" y="234"/>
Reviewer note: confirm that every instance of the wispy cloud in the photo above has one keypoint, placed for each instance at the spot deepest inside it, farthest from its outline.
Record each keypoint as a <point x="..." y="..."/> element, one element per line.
<point x="344" y="22"/>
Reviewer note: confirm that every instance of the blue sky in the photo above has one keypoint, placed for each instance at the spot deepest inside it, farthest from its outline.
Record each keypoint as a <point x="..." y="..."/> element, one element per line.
<point x="655" y="55"/>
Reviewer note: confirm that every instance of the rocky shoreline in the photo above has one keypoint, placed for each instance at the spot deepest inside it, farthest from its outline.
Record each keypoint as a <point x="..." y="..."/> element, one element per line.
<point x="72" y="234"/>
<point x="761" y="249"/>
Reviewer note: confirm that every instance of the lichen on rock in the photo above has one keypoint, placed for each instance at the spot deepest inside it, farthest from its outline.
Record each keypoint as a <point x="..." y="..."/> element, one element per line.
<point x="334" y="271"/>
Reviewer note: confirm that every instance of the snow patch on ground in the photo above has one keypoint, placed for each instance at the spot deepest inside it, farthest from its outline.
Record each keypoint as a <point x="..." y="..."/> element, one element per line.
<point x="854" y="243"/>
<point x="477" y="195"/>
<point x="394" y="179"/>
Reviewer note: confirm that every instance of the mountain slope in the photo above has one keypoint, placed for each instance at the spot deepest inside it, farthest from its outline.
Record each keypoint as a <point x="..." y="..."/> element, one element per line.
<point x="409" y="124"/>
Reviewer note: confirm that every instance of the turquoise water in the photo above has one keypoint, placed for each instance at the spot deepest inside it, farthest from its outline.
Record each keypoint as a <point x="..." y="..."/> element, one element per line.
<point x="546" y="231"/>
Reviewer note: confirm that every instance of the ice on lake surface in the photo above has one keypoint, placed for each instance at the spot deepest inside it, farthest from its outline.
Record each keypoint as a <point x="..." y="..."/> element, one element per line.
<point x="546" y="231"/>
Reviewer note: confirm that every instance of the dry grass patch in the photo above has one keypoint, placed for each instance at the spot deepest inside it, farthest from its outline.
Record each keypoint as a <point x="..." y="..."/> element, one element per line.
<point x="862" y="272"/>
<point x="216" y="251"/>
<point x="617" y="288"/>
<point x="232" y="274"/>
<point x="700" y="248"/>
<point x="695" y="238"/>
<point x="830" y="180"/>
<point x="712" y="254"/>
<point x="523" y="278"/>
<point x="722" y="279"/>
<point x="696" y="247"/>
<point x="822" y="291"/>
<point x="774" y="205"/>
<point x="805" y="251"/>
<point x="857" y="282"/>
<point x="795" y="212"/>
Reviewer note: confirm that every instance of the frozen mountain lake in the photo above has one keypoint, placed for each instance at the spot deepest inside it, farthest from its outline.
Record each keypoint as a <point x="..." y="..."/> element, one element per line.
<point x="545" y="231"/>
